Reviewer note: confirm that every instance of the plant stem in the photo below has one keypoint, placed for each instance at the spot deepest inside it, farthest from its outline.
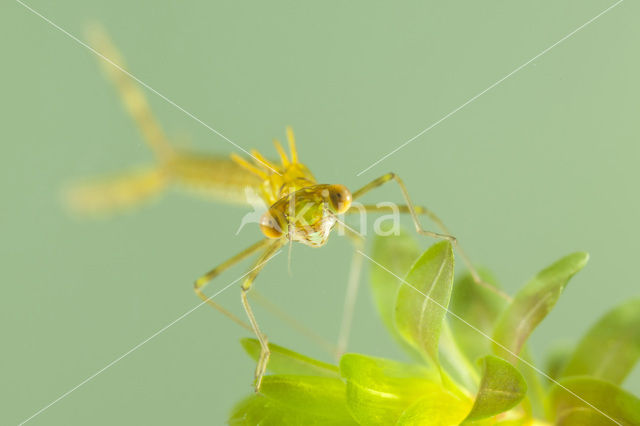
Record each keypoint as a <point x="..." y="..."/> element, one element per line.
<point x="458" y="360"/>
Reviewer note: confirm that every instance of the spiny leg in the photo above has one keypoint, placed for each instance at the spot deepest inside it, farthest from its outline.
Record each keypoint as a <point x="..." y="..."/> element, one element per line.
<point x="201" y="282"/>
<point x="352" y="290"/>
<point x="265" y="353"/>
<point x="414" y="211"/>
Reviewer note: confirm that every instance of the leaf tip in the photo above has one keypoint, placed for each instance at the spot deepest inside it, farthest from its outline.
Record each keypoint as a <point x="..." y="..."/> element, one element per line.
<point x="583" y="256"/>
<point x="249" y="345"/>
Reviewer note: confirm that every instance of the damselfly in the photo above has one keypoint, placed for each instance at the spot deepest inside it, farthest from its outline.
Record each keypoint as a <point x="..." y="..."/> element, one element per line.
<point x="299" y="208"/>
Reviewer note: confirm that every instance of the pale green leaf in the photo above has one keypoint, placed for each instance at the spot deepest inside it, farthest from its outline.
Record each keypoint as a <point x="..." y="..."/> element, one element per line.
<point x="293" y="401"/>
<point x="612" y="403"/>
<point x="379" y="390"/>
<point x="286" y="361"/>
<point x="436" y="408"/>
<point x="502" y="388"/>
<point x="477" y="306"/>
<point x="583" y="416"/>
<point x="532" y="304"/>
<point x="611" y="348"/>
<point x="397" y="253"/>
<point x="254" y="410"/>
<point x="260" y="410"/>
<point x="537" y="392"/>
<point x="422" y="301"/>
<point x="323" y="397"/>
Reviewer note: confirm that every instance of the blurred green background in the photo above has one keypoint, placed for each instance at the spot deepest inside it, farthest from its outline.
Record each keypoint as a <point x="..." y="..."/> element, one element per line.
<point x="544" y="164"/>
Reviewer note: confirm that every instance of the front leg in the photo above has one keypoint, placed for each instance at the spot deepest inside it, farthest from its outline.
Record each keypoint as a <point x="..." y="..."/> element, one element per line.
<point x="413" y="212"/>
<point x="202" y="282"/>
<point x="265" y="353"/>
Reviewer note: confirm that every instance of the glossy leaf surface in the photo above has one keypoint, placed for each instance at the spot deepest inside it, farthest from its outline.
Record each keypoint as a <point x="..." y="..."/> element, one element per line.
<point x="286" y="361"/>
<point x="379" y="390"/>
<point x="422" y="302"/>
<point x="502" y="388"/>
<point x="612" y="403"/>
<point x="532" y="304"/>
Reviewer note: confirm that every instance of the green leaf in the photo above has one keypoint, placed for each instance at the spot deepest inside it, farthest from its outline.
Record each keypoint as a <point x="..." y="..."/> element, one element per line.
<point x="421" y="305"/>
<point x="253" y="410"/>
<point x="477" y="306"/>
<point x="502" y="388"/>
<point x="611" y="348"/>
<point x="536" y="402"/>
<point x="600" y="396"/>
<point x="379" y="390"/>
<point x="293" y="401"/>
<point x="437" y="408"/>
<point x="286" y="361"/>
<point x="397" y="253"/>
<point x="532" y="304"/>
<point x="518" y="421"/>
<point x="583" y="416"/>
<point x="557" y="359"/>
<point x="323" y="397"/>
<point x="260" y="410"/>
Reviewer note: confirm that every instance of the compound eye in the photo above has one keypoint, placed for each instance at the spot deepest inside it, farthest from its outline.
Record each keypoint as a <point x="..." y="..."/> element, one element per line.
<point x="270" y="226"/>
<point x="340" y="198"/>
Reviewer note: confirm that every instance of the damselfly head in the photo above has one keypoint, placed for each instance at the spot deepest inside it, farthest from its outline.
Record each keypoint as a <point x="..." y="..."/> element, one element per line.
<point x="307" y="215"/>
